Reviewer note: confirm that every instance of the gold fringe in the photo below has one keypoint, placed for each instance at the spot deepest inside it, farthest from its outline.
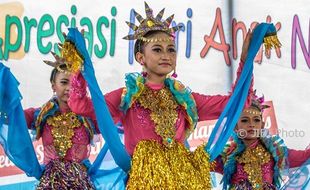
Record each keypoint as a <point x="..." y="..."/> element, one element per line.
<point x="271" y="41"/>
<point x="155" y="166"/>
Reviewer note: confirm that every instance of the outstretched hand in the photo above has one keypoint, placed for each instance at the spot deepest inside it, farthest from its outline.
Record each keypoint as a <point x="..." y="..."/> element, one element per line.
<point x="245" y="46"/>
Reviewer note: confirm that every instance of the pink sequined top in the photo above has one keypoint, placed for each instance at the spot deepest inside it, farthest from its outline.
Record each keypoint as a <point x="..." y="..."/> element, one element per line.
<point x="80" y="149"/>
<point x="137" y="122"/>
<point x="295" y="158"/>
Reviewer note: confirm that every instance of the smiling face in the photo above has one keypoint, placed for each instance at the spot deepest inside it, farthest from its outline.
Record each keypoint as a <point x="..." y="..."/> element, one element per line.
<point x="158" y="58"/>
<point x="249" y="124"/>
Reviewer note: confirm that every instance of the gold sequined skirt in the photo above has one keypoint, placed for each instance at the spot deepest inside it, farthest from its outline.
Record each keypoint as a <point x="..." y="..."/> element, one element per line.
<point x="155" y="166"/>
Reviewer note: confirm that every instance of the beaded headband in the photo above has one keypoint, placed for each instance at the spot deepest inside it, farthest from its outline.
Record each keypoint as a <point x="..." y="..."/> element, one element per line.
<point x="151" y="23"/>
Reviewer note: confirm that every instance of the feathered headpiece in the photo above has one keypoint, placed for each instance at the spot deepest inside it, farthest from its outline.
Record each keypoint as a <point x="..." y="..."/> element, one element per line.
<point x="258" y="102"/>
<point x="151" y="23"/>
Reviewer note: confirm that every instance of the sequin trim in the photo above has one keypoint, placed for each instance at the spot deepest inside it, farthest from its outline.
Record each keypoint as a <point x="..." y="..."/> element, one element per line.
<point x="163" y="109"/>
<point x="63" y="174"/>
<point x="182" y="95"/>
<point x="155" y="166"/>
<point x="46" y="114"/>
<point x="273" y="144"/>
<point x="252" y="159"/>
<point x="63" y="130"/>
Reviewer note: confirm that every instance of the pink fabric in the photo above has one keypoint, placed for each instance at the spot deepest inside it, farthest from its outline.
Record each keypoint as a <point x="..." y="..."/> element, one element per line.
<point x="267" y="169"/>
<point x="29" y="115"/>
<point x="80" y="149"/>
<point x="241" y="175"/>
<point x="137" y="123"/>
<point x="295" y="158"/>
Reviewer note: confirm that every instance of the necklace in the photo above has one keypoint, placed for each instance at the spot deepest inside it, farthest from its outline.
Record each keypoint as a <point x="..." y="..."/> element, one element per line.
<point x="163" y="109"/>
<point x="253" y="159"/>
<point x="62" y="131"/>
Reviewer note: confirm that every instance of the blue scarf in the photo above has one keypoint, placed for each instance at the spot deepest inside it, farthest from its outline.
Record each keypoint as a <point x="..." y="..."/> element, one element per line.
<point x="224" y="126"/>
<point x="13" y="126"/>
<point x="228" y="119"/>
<point x="104" y="119"/>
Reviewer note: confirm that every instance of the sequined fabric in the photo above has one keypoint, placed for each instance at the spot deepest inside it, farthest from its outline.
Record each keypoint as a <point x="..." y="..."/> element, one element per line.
<point x="236" y="172"/>
<point x="79" y="87"/>
<point x="155" y="166"/>
<point x="272" y="41"/>
<point x="135" y="84"/>
<point x="246" y="185"/>
<point x="142" y="114"/>
<point x="62" y="131"/>
<point x="163" y="108"/>
<point x="73" y="59"/>
<point x="252" y="159"/>
<point x="242" y="185"/>
<point x="65" y="175"/>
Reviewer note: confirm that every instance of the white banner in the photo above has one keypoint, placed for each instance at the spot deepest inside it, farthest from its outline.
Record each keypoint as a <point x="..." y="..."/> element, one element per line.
<point x="209" y="48"/>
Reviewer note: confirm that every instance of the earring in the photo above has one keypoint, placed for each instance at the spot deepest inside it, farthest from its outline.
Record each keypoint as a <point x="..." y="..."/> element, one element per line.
<point x="54" y="95"/>
<point x="143" y="72"/>
<point x="174" y="74"/>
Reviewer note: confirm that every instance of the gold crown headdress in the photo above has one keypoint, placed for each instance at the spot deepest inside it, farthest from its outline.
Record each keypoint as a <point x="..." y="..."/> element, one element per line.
<point x="151" y="23"/>
<point x="69" y="57"/>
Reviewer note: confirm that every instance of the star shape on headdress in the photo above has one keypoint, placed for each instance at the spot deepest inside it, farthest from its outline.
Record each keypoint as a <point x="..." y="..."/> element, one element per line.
<point x="151" y="23"/>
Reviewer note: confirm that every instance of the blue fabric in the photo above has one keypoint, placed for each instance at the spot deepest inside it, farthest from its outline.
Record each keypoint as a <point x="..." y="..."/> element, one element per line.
<point x="184" y="98"/>
<point x="13" y="127"/>
<point x="96" y="164"/>
<point x="275" y="146"/>
<point x="105" y="178"/>
<point x="134" y="84"/>
<point x="14" y="132"/>
<point x="229" y="117"/>
<point x="50" y="112"/>
<point x="300" y="179"/>
<point x="104" y="119"/>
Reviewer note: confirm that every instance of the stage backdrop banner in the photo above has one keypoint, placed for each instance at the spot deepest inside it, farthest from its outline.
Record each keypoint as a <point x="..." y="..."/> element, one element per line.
<point x="209" y="48"/>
